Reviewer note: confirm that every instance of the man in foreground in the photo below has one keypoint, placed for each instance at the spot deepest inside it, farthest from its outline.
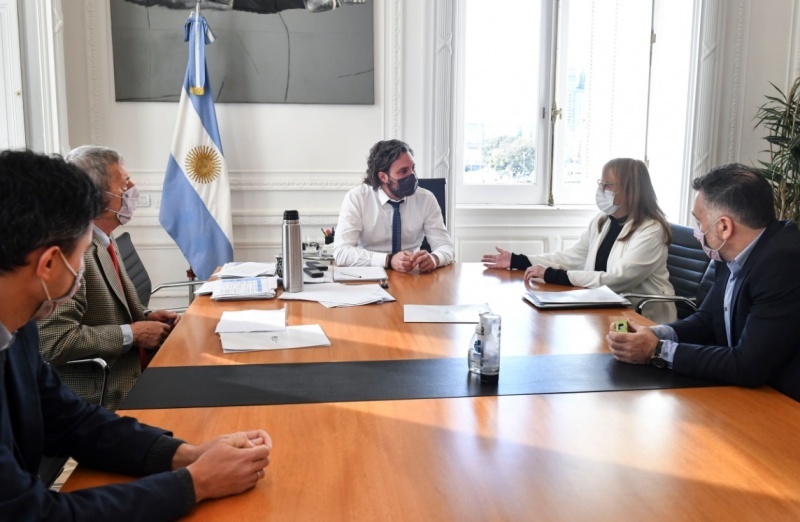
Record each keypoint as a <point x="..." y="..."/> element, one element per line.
<point x="46" y="210"/>
<point x="747" y="331"/>
<point x="384" y="220"/>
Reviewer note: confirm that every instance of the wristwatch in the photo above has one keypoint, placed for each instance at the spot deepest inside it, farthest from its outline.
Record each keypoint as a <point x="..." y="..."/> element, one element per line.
<point x="656" y="359"/>
<point x="389" y="261"/>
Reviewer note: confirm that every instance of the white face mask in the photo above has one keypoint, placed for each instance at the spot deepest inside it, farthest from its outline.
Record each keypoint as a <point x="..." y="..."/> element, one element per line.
<point x="605" y="201"/>
<point x="712" y="253"/>
<point x="129" y="200"/>
<point x="49" y="305"/>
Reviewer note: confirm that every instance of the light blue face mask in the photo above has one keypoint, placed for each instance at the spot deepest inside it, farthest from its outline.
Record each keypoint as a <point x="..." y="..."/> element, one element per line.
<point x="129" y="200"/>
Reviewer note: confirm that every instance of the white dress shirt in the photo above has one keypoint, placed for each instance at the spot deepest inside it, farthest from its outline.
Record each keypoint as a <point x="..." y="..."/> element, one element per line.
<point x="364" y="233"/>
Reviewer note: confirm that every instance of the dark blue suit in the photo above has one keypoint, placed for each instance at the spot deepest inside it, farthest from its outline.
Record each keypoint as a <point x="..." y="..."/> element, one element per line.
<point x="39" y="415"/>
<point x="765" y="320"/>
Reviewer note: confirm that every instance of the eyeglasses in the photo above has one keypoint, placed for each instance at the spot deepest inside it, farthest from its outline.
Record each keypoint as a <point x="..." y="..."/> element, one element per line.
<point x="605" y="185"/>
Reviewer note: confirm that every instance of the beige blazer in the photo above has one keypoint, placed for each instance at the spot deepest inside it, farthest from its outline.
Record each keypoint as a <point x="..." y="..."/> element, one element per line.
<point x="88" y="326"/>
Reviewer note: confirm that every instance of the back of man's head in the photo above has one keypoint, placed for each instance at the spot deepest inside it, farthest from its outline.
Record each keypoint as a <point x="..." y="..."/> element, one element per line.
<point x="44" y="201"/>
<point x="95" y="161"/>
<point x="740" y="191"/>
<point x="381" y="156"/>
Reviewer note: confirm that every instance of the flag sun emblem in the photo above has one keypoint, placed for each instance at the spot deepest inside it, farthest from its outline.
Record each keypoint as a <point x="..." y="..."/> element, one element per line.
<point x="203" y="164"/>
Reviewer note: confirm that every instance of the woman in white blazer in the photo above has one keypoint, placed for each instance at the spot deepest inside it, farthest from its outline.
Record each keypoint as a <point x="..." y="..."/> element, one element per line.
<point x="624" y="248"/>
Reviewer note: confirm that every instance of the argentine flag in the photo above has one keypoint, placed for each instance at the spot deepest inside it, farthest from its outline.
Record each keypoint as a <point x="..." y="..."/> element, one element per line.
<point x="196" y="200"/>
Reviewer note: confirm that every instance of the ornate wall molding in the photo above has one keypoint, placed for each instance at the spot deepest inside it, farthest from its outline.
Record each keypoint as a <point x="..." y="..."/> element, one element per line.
<point x="90" y="9"/>
<point x="794" y="55"/>
<point x="735" y="110"/>
<point x="149" y="218"/>
<point x="443" y="90"/>
<point x="241" y="181"/>
<point x="393" y="69"/>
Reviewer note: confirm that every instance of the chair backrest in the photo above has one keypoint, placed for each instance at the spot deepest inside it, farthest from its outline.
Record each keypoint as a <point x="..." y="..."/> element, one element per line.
<point x="135" y="268"/>
<point x="687" y="265"/>
<point x="439" y="188"/>
<point x="706" y="284"/>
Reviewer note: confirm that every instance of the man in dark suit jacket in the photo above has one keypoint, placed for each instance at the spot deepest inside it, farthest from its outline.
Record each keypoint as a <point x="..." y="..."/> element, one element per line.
<point x="105" y="317"/>
<point x="747" y="331"/>
<point x="46" y="208"/>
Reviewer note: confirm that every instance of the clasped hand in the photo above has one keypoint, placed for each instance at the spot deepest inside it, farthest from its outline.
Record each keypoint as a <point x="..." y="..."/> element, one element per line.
<point x="225" y="465"/>
<point x="406" y="261"/>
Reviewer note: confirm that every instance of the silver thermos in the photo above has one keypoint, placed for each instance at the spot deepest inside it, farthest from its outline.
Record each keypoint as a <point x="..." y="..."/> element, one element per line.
<point x="292" y="252"/>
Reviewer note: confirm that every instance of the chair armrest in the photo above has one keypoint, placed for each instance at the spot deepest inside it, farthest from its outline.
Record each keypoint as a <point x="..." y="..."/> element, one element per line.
<point x="178" y="284"/>
<point x="104" y="368"/>
<point x="691" y="302"/>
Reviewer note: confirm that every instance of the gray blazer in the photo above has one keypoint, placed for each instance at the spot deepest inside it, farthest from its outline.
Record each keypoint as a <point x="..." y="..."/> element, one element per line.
<point x="88" y="325"/>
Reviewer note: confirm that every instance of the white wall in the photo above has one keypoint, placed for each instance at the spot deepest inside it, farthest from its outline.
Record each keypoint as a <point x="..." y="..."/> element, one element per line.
<point x="307" y="156"/>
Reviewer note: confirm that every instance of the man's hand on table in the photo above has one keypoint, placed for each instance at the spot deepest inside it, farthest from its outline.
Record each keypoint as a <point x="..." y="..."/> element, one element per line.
<point x="636" y="346"/>
<point x="225" y="465"/>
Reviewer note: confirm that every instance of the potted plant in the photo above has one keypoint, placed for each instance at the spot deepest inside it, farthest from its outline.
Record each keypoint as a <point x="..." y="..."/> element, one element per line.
<point x="780" y="116"/>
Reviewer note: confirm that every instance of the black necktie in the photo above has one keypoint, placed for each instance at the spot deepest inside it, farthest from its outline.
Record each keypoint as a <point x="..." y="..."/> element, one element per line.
<point x="396" y="226"/>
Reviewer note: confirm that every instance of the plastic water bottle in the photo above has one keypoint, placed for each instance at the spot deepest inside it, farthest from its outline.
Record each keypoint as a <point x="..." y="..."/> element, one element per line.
<point x="490" y="350"/>
<point x="292" y="252"/>
<point x="475" y="349"/>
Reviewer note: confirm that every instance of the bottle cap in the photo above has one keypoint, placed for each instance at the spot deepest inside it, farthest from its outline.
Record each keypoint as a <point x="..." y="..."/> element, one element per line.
<point x="291" y="215"/>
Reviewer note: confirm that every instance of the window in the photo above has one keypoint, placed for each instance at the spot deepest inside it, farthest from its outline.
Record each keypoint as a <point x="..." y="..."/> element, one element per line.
<point x="590" y="60"/>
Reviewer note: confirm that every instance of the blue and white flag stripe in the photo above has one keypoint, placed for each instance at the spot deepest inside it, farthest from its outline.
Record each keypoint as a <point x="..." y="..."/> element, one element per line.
<point x="196" y="208"/>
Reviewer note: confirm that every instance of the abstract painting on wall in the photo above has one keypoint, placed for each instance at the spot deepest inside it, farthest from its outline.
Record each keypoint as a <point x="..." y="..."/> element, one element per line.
<point x="266" y="51"/>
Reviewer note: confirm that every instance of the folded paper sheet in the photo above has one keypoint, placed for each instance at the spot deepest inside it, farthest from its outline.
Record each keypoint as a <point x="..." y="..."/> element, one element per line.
<point x="302" y="336"/>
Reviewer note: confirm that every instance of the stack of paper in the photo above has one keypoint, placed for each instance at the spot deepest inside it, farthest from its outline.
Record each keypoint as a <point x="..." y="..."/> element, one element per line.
<point x="302" y="336"/>
<point x="601" y="297"/>
<point x="248" y="269"/>
<point x="334" y="294"/>
<point x="444" y="313"/>
<point x="251" y="330"/>
<point x="245" y="288"/>
<point x="252" y="321"/>
<point x="359" y="273"/>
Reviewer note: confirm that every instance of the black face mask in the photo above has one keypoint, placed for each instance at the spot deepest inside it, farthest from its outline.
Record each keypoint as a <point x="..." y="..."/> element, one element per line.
<point x="404" y="187"/>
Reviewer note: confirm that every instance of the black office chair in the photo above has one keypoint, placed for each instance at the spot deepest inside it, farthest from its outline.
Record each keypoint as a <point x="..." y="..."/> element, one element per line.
<point x="140" y="277"/>
<point x="439" y="188"/>
<point x="690" y="272"/>
<point x="51" y="467"/>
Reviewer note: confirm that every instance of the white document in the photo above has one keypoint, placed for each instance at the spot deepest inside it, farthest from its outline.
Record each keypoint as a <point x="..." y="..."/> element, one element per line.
<point x="335" y="294"/>
<point x="245" y="288"/>
<point x="302" y="336"/>
<point x="444" y="313"/>
<point x="247" y="269"/>
<point x="207" y="288"/>
<point x="252" y="321"/>
<point x="583" y="298"/>
<point x="378" y="296"/>
<point x="359" y="273"/>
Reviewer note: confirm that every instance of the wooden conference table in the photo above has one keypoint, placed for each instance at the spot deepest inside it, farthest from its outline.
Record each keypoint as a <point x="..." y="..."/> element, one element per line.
<point x="717" y="453"/>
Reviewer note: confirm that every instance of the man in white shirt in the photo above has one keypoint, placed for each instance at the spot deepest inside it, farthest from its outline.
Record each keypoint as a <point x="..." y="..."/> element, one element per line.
<point x="384" y="220"/>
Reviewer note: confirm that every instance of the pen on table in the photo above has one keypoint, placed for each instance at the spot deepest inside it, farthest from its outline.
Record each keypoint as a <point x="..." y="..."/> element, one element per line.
<point x="350" y="275"/>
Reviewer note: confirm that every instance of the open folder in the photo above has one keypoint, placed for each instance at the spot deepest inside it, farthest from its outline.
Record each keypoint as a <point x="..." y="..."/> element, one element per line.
<point x="601" y="297"/>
